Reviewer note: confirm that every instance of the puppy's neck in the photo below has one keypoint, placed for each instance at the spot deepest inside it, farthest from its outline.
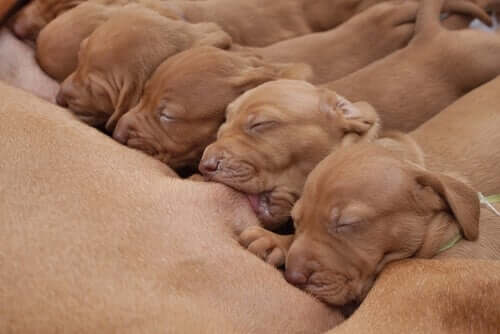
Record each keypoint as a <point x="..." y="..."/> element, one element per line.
<point x="441" y="233"/>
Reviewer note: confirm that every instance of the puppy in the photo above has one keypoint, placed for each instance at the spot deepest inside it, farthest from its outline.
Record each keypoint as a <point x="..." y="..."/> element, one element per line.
<point x="183" y="81"/>
<point x="273" y="137"/>
<point x="59" y="42"/>
<point x="374" y="203"/>
<point x="184" y="102"/>
<point x="438" y="66"/>
<point x="262" y="22"/>
<point x="28" y="22"/>
<point x="118" y="58"/>
<point x="334" y="53"/>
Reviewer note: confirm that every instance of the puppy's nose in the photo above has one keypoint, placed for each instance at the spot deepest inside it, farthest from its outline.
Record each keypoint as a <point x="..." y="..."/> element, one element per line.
<point x="209" y="165"/>
<point x="296" y="277"/>
<point x="122" y="129"/>
<point x="61" y="99"/>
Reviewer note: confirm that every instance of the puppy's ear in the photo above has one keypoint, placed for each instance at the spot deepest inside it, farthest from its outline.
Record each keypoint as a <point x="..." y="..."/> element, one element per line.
<point x="460" y="199"/>
<point x="212" y="35"/>
<point x="358" y="121"/>
<point x="128" y="97"/>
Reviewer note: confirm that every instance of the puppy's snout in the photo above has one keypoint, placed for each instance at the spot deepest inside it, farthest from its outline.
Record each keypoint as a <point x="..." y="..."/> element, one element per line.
<point x="299" y="266"/>
<point x="61" y="99"/>
<point x="211" y="161"/>
<point x="122" y="130"/>
<point x="22" y="28"/>
<point x="210" y="165"/>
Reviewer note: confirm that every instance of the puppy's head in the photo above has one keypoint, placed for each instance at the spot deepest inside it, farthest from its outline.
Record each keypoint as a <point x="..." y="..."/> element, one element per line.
<point x="59" y="42"/>
<point x="184" y="103"/>
<point x="273" y="137"/>
<point x="364" y="207"/>
<point x="28" y="22"/>
<point x="115" y="62"/>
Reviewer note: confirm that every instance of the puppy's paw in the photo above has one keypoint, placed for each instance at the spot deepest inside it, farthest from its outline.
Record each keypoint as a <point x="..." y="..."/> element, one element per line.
<point x="269" y="246"/>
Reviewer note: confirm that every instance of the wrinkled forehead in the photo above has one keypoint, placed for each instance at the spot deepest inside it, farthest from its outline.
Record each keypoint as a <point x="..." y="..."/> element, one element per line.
<point x="281" y="96"/>
<point x="370" y="176"/>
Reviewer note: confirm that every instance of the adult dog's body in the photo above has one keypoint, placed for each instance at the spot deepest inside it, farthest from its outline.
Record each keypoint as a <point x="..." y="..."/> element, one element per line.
<point x="97" y="238"/>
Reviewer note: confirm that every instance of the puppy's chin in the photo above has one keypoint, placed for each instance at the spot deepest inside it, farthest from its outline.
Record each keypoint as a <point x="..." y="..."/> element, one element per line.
<point x="335" y="289"/>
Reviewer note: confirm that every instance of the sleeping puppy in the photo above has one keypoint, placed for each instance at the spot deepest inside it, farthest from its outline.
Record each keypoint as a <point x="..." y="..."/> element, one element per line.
<point x="118" y="58"/>
<point x="184" y="102"/>
<point x="274" y="135"/>
<point x="374" y="203"/>
<point x="179" y="136"/>
<point x="438" y="66"/>
<point x="59" y="42"/>
<point x="28" y="22"/>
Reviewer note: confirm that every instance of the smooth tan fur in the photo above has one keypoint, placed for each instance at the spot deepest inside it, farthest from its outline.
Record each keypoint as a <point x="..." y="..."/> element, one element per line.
<point x="59" y="42"/>
<point x="401" y="196"/>
<point x="335" y="53"/>
<point x="184" y="102"/>
<point x="98" y="238"/>
<point x="28" y="22"/>
<point x="430" y="296"/>
<point x="113" y="67"/>
<point x="262" y="22"/>
<point x="273" y="137"/>
<point x="437" y="67"/>
<point x="217" y="77"/>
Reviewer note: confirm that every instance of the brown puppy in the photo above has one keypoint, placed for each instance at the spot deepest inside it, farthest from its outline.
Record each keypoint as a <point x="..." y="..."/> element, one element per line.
<point x="262" y="22"/>
<point x="413" y="84"/>
<point x="374" y="203"/>
<point x="59" y="42"/>
<point x="28" y="22"/>
<point x="184" y="102"/>
<point x="273" y="137"/>
<point x="282" y="178"/>
<point x="179" y="138"/>
<point x="334" y="53"/>
<point x="118" y="58"/>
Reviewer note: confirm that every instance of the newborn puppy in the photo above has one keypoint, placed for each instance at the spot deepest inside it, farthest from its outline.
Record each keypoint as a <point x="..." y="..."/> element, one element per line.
<point x="438" y="66"/>
<point x="263" y="22"/>
<point x="118" y="58"/>
<point x="370" y="204"/>
<point x="28" y="22"/>
<point x="273" y="137"/>
<point x="59" y="42"/>
<point x="334" y="53"/>
<point x="184" y="102"/>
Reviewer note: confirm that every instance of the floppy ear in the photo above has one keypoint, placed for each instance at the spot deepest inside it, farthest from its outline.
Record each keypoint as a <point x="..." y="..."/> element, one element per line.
<point x="461" y="199"/>
<point x="128" y="98"/>
<point x="359" y="121"/>
<point x="212" y="35"/>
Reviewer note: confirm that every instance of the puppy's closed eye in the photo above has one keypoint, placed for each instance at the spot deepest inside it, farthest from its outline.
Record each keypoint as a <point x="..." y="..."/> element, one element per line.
<point x="259" y="126"/>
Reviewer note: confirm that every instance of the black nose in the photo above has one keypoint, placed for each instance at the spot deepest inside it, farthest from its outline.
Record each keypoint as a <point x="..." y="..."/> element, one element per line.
<point x="209" y="165"/>
<point x="61" y="100"/>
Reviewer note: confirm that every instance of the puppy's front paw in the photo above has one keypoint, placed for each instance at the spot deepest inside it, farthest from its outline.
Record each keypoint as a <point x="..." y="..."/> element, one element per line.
<point x="269" y="246"/>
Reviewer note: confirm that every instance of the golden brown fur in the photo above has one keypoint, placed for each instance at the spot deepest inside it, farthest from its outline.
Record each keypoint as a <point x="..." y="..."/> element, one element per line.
<point x="97" y="238"/>
<point x="113" y="67"/>
<point x="401" y="196"/>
